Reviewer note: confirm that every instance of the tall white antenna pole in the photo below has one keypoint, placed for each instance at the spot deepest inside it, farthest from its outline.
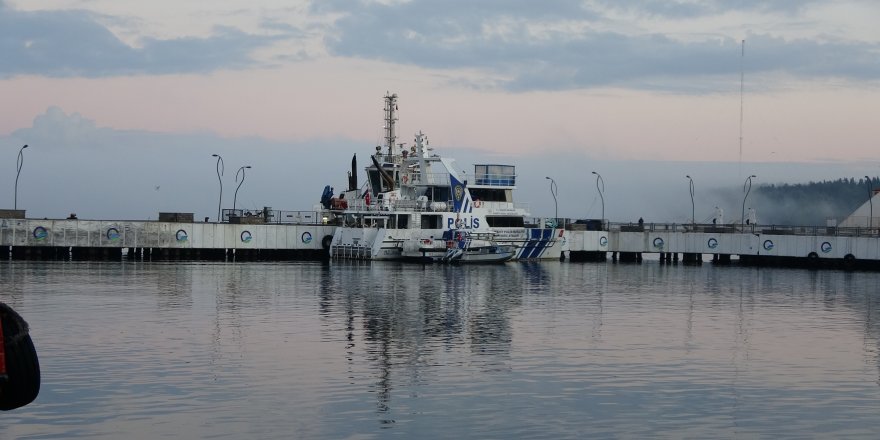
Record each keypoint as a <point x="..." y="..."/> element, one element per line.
<point x="390" y="119"/>
<point x="741" y="88"/>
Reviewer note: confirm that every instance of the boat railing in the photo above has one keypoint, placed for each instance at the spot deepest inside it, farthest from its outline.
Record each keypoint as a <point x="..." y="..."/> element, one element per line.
<point x="495" y="179"/>
<point x="394" y="205"/>
<point x="408" y="205"/>
<point x="546" y="223"/>
<point x="485" y="236"/>
<point x="272" y="216"/>
<point x="359" y="205"/>
<point x="418" y="178"/>
<point x="297" y="217"/>
<point x="504" y="207"/>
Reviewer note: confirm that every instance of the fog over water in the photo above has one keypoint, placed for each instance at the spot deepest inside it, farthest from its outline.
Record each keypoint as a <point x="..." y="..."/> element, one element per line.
<point x="71" y="165"/>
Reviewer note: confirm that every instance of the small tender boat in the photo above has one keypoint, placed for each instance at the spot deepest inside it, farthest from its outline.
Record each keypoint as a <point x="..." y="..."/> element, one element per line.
<point x="457" y="246"/>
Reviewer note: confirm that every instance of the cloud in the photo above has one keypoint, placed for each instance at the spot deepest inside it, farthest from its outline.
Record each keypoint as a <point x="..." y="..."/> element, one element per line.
<point x="73" y="43"/>
<point x="690" y="9"/>
<point x="564" y="45"/>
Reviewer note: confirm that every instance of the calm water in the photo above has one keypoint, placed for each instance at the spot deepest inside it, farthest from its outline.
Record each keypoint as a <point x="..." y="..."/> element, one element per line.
<point x="550" y="350"/>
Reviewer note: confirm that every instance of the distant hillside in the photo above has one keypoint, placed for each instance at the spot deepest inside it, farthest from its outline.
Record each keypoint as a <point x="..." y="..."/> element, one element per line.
<point x="810" y="203"/>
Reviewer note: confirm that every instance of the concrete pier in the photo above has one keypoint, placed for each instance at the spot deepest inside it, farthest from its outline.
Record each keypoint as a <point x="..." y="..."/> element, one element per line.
<point x="848" y="248"/>
<point x="74" y="239"/>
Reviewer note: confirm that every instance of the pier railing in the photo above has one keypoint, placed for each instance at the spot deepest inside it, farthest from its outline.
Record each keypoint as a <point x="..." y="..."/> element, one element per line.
<point x="596" y="225"/>
<point x="272" y="216"/>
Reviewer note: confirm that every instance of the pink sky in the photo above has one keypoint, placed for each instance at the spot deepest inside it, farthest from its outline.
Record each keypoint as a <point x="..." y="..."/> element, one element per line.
<point x="341" y="99"/>
<point x="309" y="82"/>
<point x="594" y="81"/>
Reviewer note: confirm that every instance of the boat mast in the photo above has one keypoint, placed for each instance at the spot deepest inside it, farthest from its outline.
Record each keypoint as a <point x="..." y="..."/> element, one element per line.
<point x="742" y="77"/>
<point x="390" y="120"/>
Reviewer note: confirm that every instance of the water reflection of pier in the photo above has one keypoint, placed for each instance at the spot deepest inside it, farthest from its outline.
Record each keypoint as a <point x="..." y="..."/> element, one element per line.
<point x="412" y="319"/>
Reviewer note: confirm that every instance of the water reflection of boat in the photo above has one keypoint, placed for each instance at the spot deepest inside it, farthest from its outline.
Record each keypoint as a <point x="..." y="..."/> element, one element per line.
<point x="457" y="246"/>
<point x="412" y="195"/>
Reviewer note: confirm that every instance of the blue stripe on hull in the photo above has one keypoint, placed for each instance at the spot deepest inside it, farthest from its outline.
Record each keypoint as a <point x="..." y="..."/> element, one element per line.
<point x="542" y="244"/>
<point x="530" y="245"/>
<point x="538" y="241"/>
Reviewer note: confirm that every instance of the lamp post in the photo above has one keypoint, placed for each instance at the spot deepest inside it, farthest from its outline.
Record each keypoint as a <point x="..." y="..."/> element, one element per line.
<point x="241" y="171"/>
<point x="601" y="196"/>
<point x="18" y="164"/>
<point x="553" y="191"/>
<point x="748" y="183"/>
<point x="220" y="170"/>
<point x="870" y="202"/>
<point x="693" y="208"/>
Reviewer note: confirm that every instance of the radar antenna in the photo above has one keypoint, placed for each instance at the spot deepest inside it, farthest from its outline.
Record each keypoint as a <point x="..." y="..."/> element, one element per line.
<point x="390" y="120"/>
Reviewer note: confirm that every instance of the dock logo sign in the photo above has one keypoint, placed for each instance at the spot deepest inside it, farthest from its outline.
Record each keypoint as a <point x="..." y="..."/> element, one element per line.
<point x="658" y="243"/>
<point x="246" y="237"/>
<point x="40" y="233"/>
<point x="603" y="241"/>
<point x="306" y="237"/>
<point x="113" y="234"/>
<point x="181" y="235"/>
<point x="768" y="245"/>
<point x="712" y="243"/>
<point x="826" y="247"/>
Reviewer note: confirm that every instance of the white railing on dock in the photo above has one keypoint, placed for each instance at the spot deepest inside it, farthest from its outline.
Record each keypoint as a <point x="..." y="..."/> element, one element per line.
<point x="270" y="216"/>
<point x="572" y="224"/>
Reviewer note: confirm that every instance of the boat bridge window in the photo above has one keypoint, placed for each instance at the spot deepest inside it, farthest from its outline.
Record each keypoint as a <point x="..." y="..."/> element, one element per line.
<point x="490" y="194"/>
<point x="400" y="221"/>
<point x="439" y="193"/>
<point x="432" y="221"/>
<point x="495" y="175"/>
<point x="497" y="221"/>
<point x="374" y="222"/>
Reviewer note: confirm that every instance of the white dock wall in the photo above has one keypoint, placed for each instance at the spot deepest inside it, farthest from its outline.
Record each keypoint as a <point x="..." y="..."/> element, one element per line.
<point x="149" y="234"/>
<point x="823" y="246"/>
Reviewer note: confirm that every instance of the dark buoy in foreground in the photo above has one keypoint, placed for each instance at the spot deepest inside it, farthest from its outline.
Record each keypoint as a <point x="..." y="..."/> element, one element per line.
<point x="19" y="367"/>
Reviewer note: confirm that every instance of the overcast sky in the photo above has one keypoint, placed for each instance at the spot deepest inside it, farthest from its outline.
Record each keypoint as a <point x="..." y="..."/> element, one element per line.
<point x="123" y="102"/>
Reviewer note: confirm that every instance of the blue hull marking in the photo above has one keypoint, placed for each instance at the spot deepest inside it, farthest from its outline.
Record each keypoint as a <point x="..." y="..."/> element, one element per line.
<point x="538" y="241"/>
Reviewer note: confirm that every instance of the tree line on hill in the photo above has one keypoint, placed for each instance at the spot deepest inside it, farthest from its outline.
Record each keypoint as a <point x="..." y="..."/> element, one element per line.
<point x="813" y="203"/>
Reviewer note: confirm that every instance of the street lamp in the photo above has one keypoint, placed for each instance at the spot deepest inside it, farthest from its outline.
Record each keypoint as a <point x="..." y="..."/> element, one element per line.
<point x="870" y="201"/>
<point x="601" y="197"/>
<point x="240" y="170"/>
<point x="18" y="164"/>
<point x="220" y="169"/>
<point x="553" y="191"/>
<point x="748" y="183"/>
<point x="693" y="208"/>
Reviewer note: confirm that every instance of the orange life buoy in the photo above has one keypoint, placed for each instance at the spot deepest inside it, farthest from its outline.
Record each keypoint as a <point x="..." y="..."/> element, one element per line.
<point x="477" y="203"/>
